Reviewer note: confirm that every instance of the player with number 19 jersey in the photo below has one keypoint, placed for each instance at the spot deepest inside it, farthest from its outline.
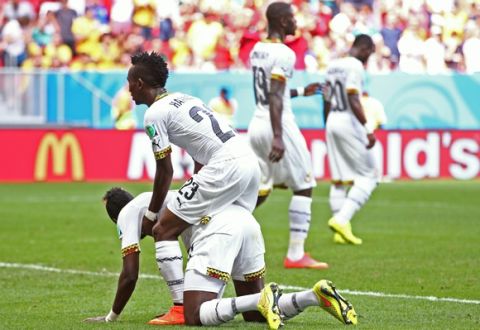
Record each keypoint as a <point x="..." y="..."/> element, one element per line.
<point x="228" y="175"/>
<point x="272" y="59"/>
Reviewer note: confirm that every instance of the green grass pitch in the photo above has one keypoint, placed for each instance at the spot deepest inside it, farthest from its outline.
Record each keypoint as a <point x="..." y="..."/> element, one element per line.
<point x="421" y="239"/>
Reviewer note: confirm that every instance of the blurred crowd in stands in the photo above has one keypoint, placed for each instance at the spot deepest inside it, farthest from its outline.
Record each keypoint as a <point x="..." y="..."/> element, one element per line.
<point x="414" y="36"/>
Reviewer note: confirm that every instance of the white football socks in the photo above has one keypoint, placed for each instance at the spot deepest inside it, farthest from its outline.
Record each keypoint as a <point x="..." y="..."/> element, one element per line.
<point x="336" y="198"/>
<point x="170" y="263"/>
<point x="218" y="311"/>
<point x="357" y="196"/>
<point x="299" y="214"/>
<point x="292" y="304"/>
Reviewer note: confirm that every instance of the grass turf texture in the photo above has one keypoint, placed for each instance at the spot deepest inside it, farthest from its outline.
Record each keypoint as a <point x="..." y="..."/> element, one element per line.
<point x="420" y="239"/>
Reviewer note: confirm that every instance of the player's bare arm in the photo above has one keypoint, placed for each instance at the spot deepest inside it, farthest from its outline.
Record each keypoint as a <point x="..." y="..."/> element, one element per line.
<point x="168" y="226"/>
<point x="309" y="90"/>
<point x="126" y="282"/>
<point x="327" y="105"/>
<point x="354" y="100"/>
<point x="197" y="166"/>
<point x="161" y="183"/>
<point x="275" y="100"/>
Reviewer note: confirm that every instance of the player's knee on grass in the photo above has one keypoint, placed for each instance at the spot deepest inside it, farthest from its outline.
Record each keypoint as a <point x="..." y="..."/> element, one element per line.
<point x="193" y="301"/>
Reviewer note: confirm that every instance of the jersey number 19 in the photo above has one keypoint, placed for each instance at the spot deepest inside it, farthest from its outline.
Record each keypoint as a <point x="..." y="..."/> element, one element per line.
<point x="260" y="86"/>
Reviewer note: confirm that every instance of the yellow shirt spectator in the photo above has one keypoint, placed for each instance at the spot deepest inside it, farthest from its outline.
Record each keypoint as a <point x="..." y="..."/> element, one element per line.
<point x="454" y="23"/>
<point x="122" y="109"/>
<point x="203" y="36"/>
<point x="374" y="111"/>
<point x="144" y="13"/>
<point x="87" y="31"/>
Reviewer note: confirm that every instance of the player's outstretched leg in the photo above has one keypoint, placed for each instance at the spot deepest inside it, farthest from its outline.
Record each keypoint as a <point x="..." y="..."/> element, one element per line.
<point x="268" y="305"/>
<point x="323" y="294"/>
<point x="331" y="301"/>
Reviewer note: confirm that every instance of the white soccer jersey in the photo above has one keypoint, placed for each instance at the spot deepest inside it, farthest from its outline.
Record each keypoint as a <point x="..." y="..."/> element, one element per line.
<point x="219" y="247"/>
<point x="271" y="60"/>
<point x="129" y="223"/>
<point x="187" y="122"/>
<point x="346" y="137"/>
<point x="344" y="76"/>
<point x="274" y="60"/>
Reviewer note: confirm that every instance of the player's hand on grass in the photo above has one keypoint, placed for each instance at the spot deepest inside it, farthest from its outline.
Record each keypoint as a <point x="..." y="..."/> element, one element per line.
<point x="371" y="140"/>
<point x="278" y="149"/>
<point x="97" y="319"/>
<point x="110" y="317"/>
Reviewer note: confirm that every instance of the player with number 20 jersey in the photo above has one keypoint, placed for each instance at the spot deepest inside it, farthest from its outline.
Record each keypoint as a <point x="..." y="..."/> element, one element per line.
<point x="346" y="138"/>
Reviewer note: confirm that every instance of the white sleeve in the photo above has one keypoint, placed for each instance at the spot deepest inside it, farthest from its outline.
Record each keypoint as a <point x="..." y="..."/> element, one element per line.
<point x="129" y="231"/>
<point x="156" y="129"/>
<point x="353" y="84"/>
<point x="283" y="65"/>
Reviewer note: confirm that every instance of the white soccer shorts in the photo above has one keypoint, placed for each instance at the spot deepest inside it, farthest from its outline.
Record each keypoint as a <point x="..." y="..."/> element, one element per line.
<point x="225" y="180"/>
<point x="294" y="170"/>
<point x="348" y="155"/>
<point x="230" y="246"/>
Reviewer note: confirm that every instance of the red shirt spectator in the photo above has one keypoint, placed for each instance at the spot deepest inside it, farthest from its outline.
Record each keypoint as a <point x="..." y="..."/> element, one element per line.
<point x="300" y="46"/>
<point x="248" y="40"/>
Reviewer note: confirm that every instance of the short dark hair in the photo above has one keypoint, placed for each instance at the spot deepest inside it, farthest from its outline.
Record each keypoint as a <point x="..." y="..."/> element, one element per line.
<point x="115" y="200"/>
<point x="277" y="10"/>
<point x="152" y="68"/>
<point x="363" y="41"/>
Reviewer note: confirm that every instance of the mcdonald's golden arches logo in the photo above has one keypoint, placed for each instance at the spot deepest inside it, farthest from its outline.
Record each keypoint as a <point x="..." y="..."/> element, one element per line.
<point x="59" y="147"/>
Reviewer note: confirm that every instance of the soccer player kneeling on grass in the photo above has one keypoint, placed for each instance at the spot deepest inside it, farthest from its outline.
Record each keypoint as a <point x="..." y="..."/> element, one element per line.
<point x="229" y="245"/>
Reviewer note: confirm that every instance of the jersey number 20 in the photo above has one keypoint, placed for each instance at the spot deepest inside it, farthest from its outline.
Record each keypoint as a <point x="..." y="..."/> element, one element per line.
<point x="338" y="96"/>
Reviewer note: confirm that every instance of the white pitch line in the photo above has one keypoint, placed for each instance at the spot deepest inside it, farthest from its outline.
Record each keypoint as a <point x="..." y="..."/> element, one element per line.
<point x="392" y="295"/>
<point x="68" y="271"/>
<point x="286" y="287"/>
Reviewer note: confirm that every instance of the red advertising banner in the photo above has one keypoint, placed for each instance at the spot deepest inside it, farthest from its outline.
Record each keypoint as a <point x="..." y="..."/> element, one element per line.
<point x="31" y="155"/>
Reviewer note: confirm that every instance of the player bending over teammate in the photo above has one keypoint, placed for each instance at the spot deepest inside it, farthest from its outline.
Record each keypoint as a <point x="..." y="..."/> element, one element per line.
<point x="230" y="245"/>
<point x="224" y="173"/>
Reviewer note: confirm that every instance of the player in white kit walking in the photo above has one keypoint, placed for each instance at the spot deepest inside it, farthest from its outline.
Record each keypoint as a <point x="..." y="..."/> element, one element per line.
<point x="274" y="135"/>
<point x="349" y="137"/>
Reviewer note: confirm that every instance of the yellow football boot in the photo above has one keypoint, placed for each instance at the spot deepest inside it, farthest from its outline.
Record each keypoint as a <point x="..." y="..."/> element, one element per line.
<point x="338" y="239"/>
<point x="268" y="305"/>
<point x="332" y="302"/>
<point x="345" y="231"/>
